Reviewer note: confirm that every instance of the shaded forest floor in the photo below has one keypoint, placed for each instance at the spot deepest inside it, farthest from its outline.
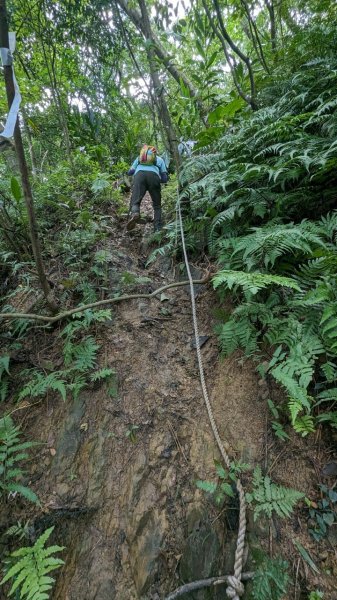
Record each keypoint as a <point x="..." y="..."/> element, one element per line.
<point x="116" y="475"/>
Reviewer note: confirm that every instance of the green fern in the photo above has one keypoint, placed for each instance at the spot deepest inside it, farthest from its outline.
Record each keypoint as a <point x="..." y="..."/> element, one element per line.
<point x="40" y="384"/>
<point x="4" y="365"/>
<point x="262" y="201"/>
<point x="84" y="354"/>
<point x="267" y="497"/>
<point x="267" y="244"/>
<point x="108" y="375"/>
<point x="271" y="580"/>
<point x="238" y="333"/>
<point x="20" y="530"/>
<point x="226" y="481"/>
<point x="4" y="373"/>
<point x="104" y="373"/>
<point x="304" y="425"/>
<point x="12" y="453"/>
<point x="82" y="321"/>
<point x="32" y="564"/>
<point x="251" y="282"/>
<point x="329" y="326"/>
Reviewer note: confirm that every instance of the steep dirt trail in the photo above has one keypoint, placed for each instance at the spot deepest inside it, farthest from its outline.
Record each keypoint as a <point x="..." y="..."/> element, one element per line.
<point x="117" y="475"/>
<point x="125" y="504"/>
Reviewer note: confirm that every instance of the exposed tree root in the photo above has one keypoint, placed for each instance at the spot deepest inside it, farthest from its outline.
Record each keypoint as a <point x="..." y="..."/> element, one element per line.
<point x="68" y="313"/>
<point x="203" y="583"/>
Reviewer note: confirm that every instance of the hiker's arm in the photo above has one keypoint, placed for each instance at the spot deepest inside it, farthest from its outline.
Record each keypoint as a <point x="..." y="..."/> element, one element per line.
<point x="133" y="167"/>
<point x="163" y="172"/>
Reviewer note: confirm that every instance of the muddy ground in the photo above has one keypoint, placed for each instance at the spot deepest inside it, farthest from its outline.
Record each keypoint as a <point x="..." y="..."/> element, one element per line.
<point x="116" y="475"/>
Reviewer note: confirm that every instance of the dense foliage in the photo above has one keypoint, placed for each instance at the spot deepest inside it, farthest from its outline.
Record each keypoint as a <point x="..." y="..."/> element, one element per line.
<point x="264" y="206"/>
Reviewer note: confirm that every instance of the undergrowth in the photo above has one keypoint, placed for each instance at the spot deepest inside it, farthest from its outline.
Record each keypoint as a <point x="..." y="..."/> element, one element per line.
<point x="263" y="205"/>
<point x="12" y="455"/>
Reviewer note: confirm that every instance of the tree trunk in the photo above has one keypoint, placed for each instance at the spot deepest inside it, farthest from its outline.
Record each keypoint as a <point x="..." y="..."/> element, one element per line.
<point x="271" y="10"/>
<point x="29" y="139"/>
<point x="9" y="83"/>
<point x="58" y="102"/>
<point x="165" y="58"/>
<point x="219" y="35"/>
<point x="245" y="59"/>
<point x="255" y="37"/>
<point x="159" y="89"/>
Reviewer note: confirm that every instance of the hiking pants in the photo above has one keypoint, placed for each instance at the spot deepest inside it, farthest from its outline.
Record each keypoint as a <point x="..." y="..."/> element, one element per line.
<point x="147" y="181"/>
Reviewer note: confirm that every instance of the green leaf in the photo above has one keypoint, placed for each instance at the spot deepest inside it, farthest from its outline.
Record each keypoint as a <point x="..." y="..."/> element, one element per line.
<point x="251" y="282"/>
<point x="16" y="189"/>
<point x="225" y="111"/>
<point x="328" y="518"/>
<point x="4" y="365"/>
<point x="227" y="489"/>
<point x="24" y="491"/>
<point x="306" y="556"/>
<point x="207" y="486"/>
<point x="30" y="569"/>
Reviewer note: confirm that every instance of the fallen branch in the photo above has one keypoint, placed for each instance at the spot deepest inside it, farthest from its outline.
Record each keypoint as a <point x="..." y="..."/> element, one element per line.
<point x="68" y="313"/>
<point x="203" y="583"/>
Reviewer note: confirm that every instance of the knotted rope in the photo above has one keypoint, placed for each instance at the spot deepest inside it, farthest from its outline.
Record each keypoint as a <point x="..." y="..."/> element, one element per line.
<point x="235" y="587"/>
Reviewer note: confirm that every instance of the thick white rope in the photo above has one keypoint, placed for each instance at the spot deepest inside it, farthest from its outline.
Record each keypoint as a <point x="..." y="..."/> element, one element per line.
<point x="235" y="587"/>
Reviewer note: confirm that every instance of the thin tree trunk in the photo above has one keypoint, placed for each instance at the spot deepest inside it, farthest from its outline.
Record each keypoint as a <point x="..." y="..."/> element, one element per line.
<point x="159" y="89"/>
<point x="165" y="58"/>
<point x="255" y="37"/>
<point x="245" y="59"/>
<point x="29" y="139"/>
<point x="9" y="83"/>
<point x="219" y="35"/>
<point x="271" y="10"/>
<point x="58" y="102"/>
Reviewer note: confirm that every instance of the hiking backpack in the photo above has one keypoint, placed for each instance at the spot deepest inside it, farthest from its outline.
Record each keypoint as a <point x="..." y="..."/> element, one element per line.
<point x="148" y="156"/>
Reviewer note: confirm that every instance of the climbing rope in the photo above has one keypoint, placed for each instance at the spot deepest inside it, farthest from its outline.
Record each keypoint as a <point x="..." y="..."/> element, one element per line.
<point x="235" y="587"/>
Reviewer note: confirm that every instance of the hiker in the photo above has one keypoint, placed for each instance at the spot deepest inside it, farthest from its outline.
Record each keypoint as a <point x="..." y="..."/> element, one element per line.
<point x="185" y="149"/>
<point x="149" y="172"/>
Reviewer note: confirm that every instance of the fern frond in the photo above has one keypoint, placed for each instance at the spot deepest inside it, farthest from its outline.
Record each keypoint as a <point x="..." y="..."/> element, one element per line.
<point x="29" y="573"/>
<point x="304" y="425"/>
<point x="102" y="374"/>
<point x="41" y="384"/>
<point x="271" y="580"/>
<point x="10" y="456"/>
<point x="238" y="333"/>
<point x="251" y="282"/>
<point x="84" y="354"/>
<point x="267" y="497"/>
<point x="4" y="365"/>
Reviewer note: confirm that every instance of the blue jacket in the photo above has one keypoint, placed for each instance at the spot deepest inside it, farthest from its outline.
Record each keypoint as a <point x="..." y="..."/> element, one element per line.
<point x="159" y="168"/>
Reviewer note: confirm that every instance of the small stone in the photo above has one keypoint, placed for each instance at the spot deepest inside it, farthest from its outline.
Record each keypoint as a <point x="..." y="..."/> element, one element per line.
<point x="202" y="340"/>
<point x="167" y="453"/>
<point x="330" y="469"/>
<point x="143" y="307"/>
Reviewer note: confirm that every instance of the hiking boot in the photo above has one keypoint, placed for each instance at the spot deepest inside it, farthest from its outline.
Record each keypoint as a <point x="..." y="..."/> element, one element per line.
<point x="135" y="217"/>
<point x="157" y="224"/>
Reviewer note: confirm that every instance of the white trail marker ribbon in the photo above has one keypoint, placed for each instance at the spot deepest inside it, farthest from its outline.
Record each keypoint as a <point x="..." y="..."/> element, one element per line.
<point x="7" y="60"/>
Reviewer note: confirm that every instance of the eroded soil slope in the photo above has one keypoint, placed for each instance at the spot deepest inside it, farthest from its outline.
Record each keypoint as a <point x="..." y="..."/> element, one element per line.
<point x="116" y="475"/>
